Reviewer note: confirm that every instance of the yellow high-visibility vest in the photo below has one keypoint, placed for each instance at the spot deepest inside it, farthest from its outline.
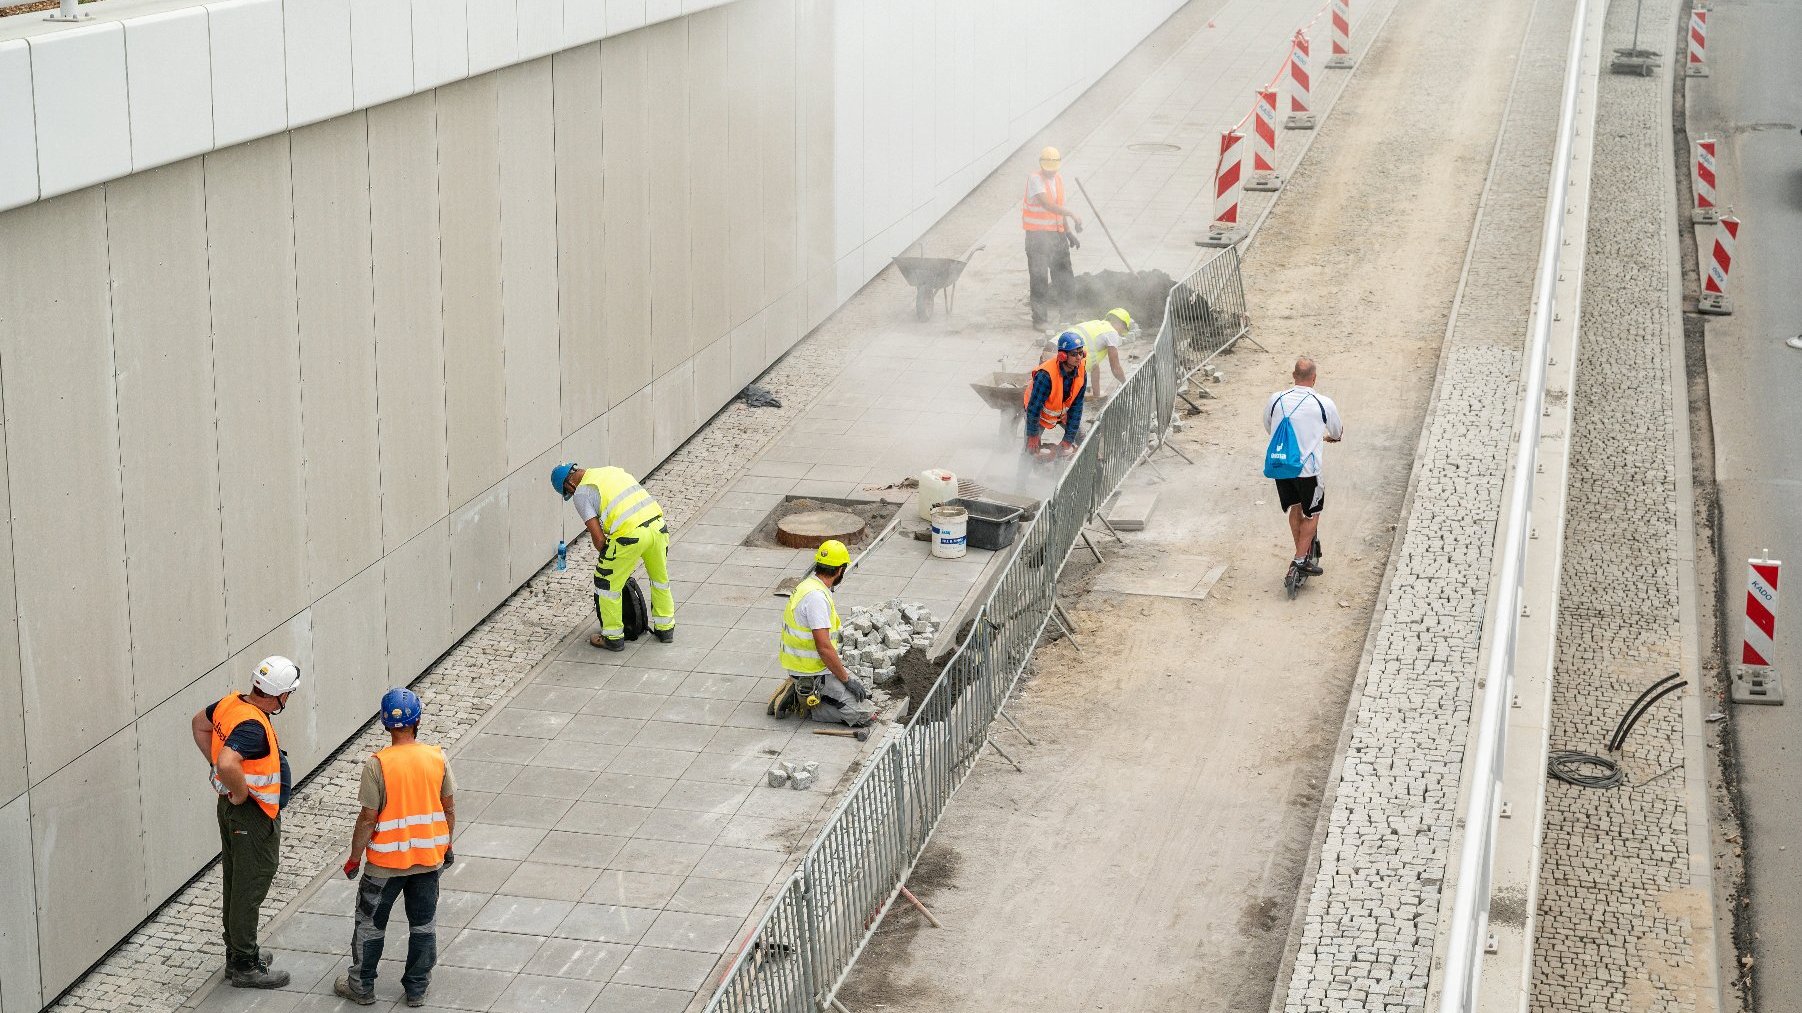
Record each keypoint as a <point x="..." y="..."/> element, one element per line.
<point x="624" y="503"/>
<point x="800" y="655"/>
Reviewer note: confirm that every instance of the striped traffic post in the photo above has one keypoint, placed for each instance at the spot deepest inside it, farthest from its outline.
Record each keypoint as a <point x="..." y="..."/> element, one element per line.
<point x="1341" y="58"/>
<point x="1706" y="211"/>
<point x="1759" y="646"/>
<point x="1263" y="149"/>
<point x="1300" y="116"/>
<point x="1698" y="44"/>
<point x="1229" y="186"/>
<point x="1714" y="297"/>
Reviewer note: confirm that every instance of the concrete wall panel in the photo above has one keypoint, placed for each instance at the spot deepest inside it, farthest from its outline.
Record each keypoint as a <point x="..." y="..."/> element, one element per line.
<point x="13" y="779"/>
<point x="78" y="100"/>
<point x="625" y="103"/>
<point x="529" y="261"/>
<point x="418" y="580"/>
<point x="350" y="662"/>
<point x="168" y="62"/>
<point x="89" y="884"/>
<point x="298" y="726"/>
<point x="168" y="444"/>
<point x="180" y="834"/>
<point x="440" y="42"/>
<point x="744" y="156"/>
<point x="666" y="159"/>
<point x="541" y="27"/>
<point x="409" y="319"/>
<point x="381" y="51"/>
<point x="256" y="360"/>
<point x="673" y="414"/>
<point x="250" y="79"/>
<point x="707" y="172"/>
<point x="713" y="378"/>
<point x="19" y="986"/>
<point x="479" y="563"/>
<point x="68" y="537"/>
<point x="493" y="34"/>
<point x="534" y="516"/>
<point x="18" y="127"/>
<point x="748" y="359"/>
<point x="469" y="224"/>
<point x="337" y="351"/>
<point x="624" y="15"/>
<point x="316" y="36"/>
<point x="584" y="21"/>
<point x="581" y="279"/>
<point x="629" y="434"/>
<point x="781" y="254"/>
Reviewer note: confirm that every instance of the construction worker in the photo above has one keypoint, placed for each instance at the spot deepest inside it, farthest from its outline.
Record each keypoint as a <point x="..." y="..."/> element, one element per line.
<point x="249" y="773"/>
<point x="1056" y="395"/>
<point x="1101" y="344"/>
<point x="817" y="680"/>
<point x="409" y="810"/>
<point x="627" y="526"/>
<point x="1043" y="216"/>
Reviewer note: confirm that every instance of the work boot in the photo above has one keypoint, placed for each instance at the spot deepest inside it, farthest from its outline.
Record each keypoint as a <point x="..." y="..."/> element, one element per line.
<point x="257" y="975"/>
<point x="1309" y="567"/>
<point x="607" y="643"/>
<point x="344" y="988"/>
<point x="665" y="636"/>
<point x="416" y="1000"/>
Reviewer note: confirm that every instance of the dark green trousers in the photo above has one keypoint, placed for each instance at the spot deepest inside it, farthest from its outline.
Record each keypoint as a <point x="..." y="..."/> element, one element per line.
<point x="249" y="844"/>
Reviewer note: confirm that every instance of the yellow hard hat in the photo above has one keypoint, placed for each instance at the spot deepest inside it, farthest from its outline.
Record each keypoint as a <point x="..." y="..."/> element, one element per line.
<point x="1120" y="314"/>
<point x="832" y="552"/>
<point x="1050" y="159"/>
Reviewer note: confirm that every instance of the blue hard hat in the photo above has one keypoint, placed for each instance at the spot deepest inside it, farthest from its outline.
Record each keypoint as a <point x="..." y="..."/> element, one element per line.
<point x="1069" y="341"/>
<point x="401" y="708"/>
<point x="560" y="475"/>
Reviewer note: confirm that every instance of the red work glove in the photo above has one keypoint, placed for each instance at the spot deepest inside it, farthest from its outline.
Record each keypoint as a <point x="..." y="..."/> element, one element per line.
<point x="1066" y="449"/>
<point x="351" y="866"/>
<point x="1032" y="445"/>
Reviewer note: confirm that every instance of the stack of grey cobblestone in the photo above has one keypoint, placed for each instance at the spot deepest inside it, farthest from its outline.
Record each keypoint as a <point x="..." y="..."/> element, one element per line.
<point x="873" y="641"/>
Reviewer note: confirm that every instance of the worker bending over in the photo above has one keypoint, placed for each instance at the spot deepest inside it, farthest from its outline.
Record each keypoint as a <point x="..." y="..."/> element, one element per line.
<point x="1048" y="239"/>
<point x="1055" y="396"/>
<point x="1101" y="344"/>
<point x="627" y="526"/>
<point x="810" y="648"/>
<point x="408" y="811"/>
<point x="250" y="775"/>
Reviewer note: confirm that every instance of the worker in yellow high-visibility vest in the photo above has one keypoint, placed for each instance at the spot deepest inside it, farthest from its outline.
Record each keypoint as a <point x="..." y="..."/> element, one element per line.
<point x="627" y="527"/>
<point x="810" y="648"/>
<point x="1101" y="343"/>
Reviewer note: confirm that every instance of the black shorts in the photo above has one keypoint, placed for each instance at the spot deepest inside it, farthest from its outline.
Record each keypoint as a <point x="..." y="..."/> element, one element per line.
<point x="1303" y="492"/>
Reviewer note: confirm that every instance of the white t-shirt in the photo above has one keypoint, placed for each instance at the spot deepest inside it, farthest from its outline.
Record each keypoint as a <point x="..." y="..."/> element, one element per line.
<point x="588" y="502"/>
<point x="1314" y="417"/>
<point x="814" y="612"/>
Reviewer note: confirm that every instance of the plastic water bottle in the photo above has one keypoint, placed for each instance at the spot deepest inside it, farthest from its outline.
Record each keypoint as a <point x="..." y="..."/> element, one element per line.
<point x="562" y="555"/>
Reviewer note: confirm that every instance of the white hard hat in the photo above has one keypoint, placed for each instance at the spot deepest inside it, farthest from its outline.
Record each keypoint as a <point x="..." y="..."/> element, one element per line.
<point x="276" y="675"/>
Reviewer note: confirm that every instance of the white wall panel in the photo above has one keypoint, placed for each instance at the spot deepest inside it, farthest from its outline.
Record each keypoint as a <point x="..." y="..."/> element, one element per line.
<point x="708" y="212"/>
<point x="661" y="10"/>
<point x="744" y="156"/>
<point x="297" y="726"/>
<point x="493" y="34"/>
<point x="168" y="444"/>
<point x="584" y="21"/>
<point x="713" y="378"/>
<point x="534" y="515"/>
<point x="19" y="991"/>
<point x="418" y="588"/>
<point x="528" y="182"/>
<point x="479" y="563"/>
<point x="581" y="280"/>
<point x="337" y="351"/>
<point x="350" y="660"/>
<point x="256" y="361"/>
<point x="13" y="778"/>
<point x="440" y="42"/>
<point x="409" y="318"/>
<point x="180" y="832"/>
<point x="78" y="100"/>
<point x="469" y="222"/>
<point x="316" y="34"/>
<point x="250" y="69"/>
<point x="666" y="160"/>
<point x="168" y="64"/>
<point x="673" y="414"/>
<point x="781" y="255"/>
<point x="540" y="27"/>
<point x="626" y="196"/>
<point x="68" y="537"/>
<point x="18" y="127"/>
<point x="381" y="51"/>
<point x="629" y="435"/>
<point x="624" y="15"/>
<point x="90" y="885"/>
<point x="748" y="350"/>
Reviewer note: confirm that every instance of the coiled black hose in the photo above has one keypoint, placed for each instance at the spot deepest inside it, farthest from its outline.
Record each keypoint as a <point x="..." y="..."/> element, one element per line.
<point x="1586" y="770"/>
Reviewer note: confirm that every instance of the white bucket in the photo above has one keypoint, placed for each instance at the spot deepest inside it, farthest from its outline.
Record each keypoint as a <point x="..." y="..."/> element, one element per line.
<point x="936" y="486"/>
<point x="950" y="525"/>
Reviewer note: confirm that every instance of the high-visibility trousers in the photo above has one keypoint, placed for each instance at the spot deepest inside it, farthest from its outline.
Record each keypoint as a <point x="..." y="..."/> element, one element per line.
<point x="649" y="543"/>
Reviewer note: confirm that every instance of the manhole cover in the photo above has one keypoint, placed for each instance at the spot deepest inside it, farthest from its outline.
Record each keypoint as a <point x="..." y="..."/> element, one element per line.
<point x="1154" y="147"/>
<point x="807" y="530"/>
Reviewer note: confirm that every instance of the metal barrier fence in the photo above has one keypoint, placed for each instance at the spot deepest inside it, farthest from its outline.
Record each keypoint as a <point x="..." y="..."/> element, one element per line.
<point x="823" y="916"/>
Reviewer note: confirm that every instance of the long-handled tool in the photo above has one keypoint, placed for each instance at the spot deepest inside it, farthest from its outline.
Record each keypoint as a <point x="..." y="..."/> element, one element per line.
<point x="1104" y="229"/>
<point x="860" y="734"/>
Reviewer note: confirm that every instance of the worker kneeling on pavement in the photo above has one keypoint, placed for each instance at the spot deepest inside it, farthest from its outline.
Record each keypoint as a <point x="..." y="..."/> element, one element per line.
<point x="1101" y="344"/>
<point x="1055" y="397"/>
<point x="250" y="775"/>
<point x="626" y="526"/>
<point x="408" y="812"/>
<point x="818" y="684"/>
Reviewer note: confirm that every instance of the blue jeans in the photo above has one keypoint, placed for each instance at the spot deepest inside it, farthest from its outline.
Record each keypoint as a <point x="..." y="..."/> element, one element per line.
<point x="375" y="900"/>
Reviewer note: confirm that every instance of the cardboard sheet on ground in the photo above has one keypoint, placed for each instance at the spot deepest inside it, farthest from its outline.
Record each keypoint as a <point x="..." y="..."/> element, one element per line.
<point x="1168" y="576"/>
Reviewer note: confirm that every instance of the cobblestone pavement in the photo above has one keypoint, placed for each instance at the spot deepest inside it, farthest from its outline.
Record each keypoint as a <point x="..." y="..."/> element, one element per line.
<point x="1617" y="906"/>
<point x="1366" y="939"/>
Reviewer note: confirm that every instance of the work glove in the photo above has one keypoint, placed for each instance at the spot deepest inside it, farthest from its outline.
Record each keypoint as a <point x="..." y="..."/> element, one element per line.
<point x="450" y="857"/>
<point x="1032" y="445"/>
<point x="1075" y="243"/>
<point x="858" y="690"/>
<point x="351" y="867"/>
<point x="1066" y="449"/>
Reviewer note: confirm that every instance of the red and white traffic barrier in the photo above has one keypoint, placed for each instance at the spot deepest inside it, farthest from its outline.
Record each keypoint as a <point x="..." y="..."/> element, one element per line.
<point x="1759" y="647"/>
<point x="1263" y="148"/>
<point x="1714" y="297"/>
<point x="1698" y="44"/>
<point x="1707" y="210"/>
<point x="1300" y="116"/>
<point x="1229" y="186"/>
<point x="1341" y="58"/>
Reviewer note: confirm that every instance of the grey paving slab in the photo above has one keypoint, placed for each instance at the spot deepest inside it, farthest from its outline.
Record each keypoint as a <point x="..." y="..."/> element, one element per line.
<point x="476" y="874"/>
<point x="600" y="730"/>
<point x="549" y="783"/>
<point x="695" y="710"/>
<point x="493" y="951"/>
<point x="668" y="858"/>
<point x="489" y="840"/>
<point x="503" y="748"/>
<point x="528" y="915"/>
<point x="725" y="897"/>
<point x="560" y="699"/>
<point x="604" y="818"/>
<point x="484" y="775"/>
<point x="632" y="889"/>
<point x="529" y="993"/>
<point x="612" y="703"/>
<point x="748" y="864"/>
<point x="713" y="685"/>
<point x="674" y="735"/>
<point x="762" y="833"/>
<point x="658" y="967"/>
<point x="729" y="768"/>
<point x="577" y="958"/>
<point x="526" y="810"/>
<point x="561" y="847"/>
<point x="687" y="930"/>
<point x="651" y="761"/>
<point x="536" y="724"/>
<point x="577" y="674"/>
<point x="548" y="880"/>
<point x="607" y="923"/>
<point x="455" y="907"/>
<point x="696" y="617"/>
<point x="678" y="825"/>
<point x="468" y="988"/>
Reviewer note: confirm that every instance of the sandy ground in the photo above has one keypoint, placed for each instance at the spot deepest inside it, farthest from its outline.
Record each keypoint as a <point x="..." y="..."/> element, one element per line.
<point x="1149" y="857"/>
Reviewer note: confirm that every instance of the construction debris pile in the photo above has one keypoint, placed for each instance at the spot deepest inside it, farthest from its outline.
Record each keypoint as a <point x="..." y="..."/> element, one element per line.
<point x="873" y="641"/>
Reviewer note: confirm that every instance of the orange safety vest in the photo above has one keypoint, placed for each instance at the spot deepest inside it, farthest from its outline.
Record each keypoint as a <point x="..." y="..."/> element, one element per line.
<point x="1034" y="217"/>
<point x="411" y="829"/>
<point x="263" y="776"/>
<point x="1056" y="404"/>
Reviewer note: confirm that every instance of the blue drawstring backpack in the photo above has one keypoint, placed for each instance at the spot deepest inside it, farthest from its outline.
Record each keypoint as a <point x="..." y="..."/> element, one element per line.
<point x="1283" y="458"/>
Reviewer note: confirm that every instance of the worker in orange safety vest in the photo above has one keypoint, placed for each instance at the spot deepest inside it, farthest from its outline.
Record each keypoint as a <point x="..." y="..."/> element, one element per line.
<point x="1055" y="397"/>
<point x="1043" y="217"/>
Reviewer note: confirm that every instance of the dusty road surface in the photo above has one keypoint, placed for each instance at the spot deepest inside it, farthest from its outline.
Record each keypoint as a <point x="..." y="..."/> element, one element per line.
<point x="1149" y="856"/>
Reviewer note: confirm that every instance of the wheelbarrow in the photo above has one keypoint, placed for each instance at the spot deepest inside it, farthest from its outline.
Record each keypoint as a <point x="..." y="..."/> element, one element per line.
<point x="1006" y="394"/>
<point x="931" y="275"/>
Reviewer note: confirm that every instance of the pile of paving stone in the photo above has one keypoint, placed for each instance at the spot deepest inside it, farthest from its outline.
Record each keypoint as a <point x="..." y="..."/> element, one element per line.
<point x="873" y="641"/>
